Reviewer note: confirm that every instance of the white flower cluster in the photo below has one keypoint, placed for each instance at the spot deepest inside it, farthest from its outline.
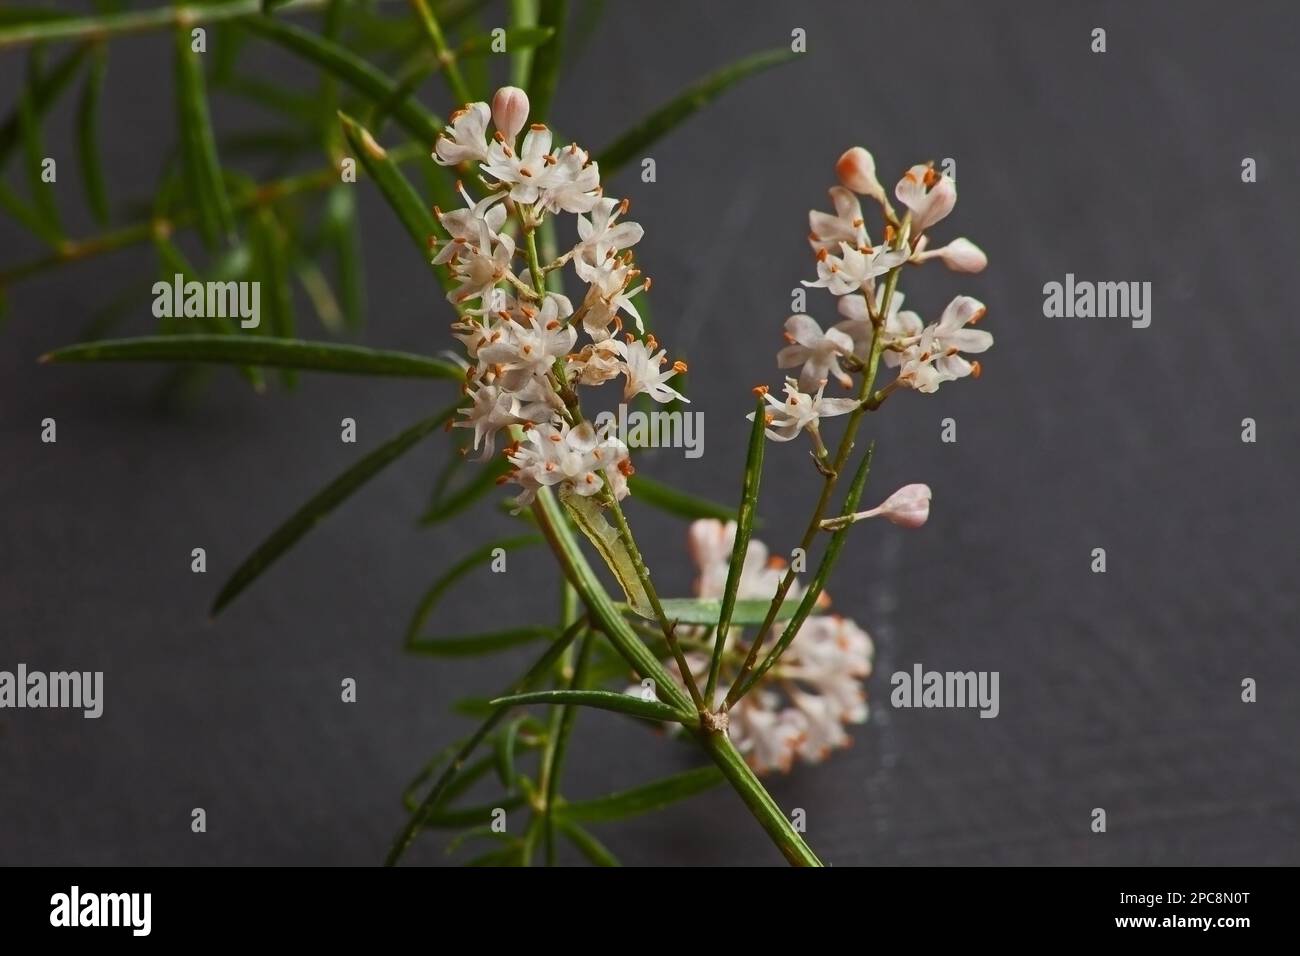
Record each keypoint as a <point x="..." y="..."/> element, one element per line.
<point x="849" y="265"/>
<point x="521" y="339"/>
<point x="803" y="703"/>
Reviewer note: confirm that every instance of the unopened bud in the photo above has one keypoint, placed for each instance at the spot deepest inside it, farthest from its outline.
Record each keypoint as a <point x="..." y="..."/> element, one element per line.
<point x="962" y="255"/>
<point x="510" y="111"/>
<point x="857" y="170"/>
<point x="908" y="507"/>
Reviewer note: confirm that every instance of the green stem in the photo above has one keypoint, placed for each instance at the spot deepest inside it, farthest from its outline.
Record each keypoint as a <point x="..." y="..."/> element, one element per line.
<point x="73" y="250"/>
<point x="534" y="263"/>
<point x="141" y="21"/>
<point x="831" y="474"/>
<point x="557" y="745"/>
<point x="668" y="627"/>
<point x="740" y="547"/>
<point x="550" y="517"/>
<point x="444" y="53"/>
<point x="440" y="788"/>
<point x="818" y="583"/>
<point x="758" y="800"/>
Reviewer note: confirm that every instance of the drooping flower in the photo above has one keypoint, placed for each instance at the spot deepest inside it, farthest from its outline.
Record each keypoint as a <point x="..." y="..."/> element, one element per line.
<point x="817" y="351"/>
<point x="602" y="233"/>
<point x="573" y="184"/>
<point x="464" y="139"/>
<point x="645" y="373"/>
<point x="492" y="408"/>
<point x="827" y="231"/>
<point x="928" y="194"/>
<point x="960" y="255"/>
<point x="935" y="357"/>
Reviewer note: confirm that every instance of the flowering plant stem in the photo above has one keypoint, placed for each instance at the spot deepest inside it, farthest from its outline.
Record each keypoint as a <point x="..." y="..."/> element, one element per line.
<point x="830" y="477"/>
<point x="550" y="516"/>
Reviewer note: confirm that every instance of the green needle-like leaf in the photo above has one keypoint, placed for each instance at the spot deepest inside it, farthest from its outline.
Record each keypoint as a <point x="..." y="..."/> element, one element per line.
<point x="554" y="522"/>
<point x="476" y="559"/>
<point x="544" y="75"/>
<point x="739" y="551"/>
<point x="198" y="144"/>
<point x="471" y="816"/>
<point x="273" y="257"/>
<point x="676" y="502"/>
<point x="680" y="108"/>
<point x="399" y="192"/>
<point x="342" y="234"/>
<point x="601" y="699"/>
<point x="643" y="799"/>
<point x="437" y="794"/>
<point x="470" y="645"/>
<point x="708" y="611"/>
<point x="41" y="96"/>
<point x="818" y="582"/>
<point x="523" y="16"/>
<point x="321" y="504"/>
<point x="360" y="75"/>
<point x="595" y="851"/>
<point x="505" y="753"/>
<point x="35" y="156"/>
<point x="517" y="38"/>
<point x="258" y="350"/>
<point x="92" y="168"/>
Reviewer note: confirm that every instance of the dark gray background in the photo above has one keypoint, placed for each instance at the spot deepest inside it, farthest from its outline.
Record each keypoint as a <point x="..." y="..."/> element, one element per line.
<point x="1119" y="691"/>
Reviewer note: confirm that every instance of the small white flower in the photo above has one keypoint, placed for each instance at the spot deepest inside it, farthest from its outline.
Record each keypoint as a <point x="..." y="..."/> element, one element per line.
<point x="597" y="363"/>
<point x="573" y="183"/>
<point x="464" y="139"/>
<point x="800" y="411"/>
<point x="573" y="458"/>
<point x="857" y="323"/>
<point x="603" y="234"/>
<point x="826" y="231"/>
<point x="766" y="737"/>
<point x="525" y="170"/>
<point x="817" y="351"/>
<point x="928" y="194"/>
<point x="528" y="350"/>
<point x="645" y="373"/>
<point x="711" y="543"/>
<point x="493" y="409"/>
<point x="855" y="267"/>
<point x="960" y="255"/>
<point x="467" y="225"/>
<point x="608" y="295"/>
<point x="935" y="357"/>
<point x="478" y="265"/>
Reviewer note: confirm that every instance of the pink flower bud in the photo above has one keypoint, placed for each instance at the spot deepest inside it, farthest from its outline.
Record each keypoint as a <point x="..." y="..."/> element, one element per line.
<point x="510" y="111"/>
<point x="857" y="170"/>
<point x="962" y="255"/>
<point x="908" y="507"/>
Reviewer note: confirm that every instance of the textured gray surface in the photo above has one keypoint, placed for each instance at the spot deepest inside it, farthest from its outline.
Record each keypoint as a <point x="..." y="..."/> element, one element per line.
<point x="1118" y="690"/>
